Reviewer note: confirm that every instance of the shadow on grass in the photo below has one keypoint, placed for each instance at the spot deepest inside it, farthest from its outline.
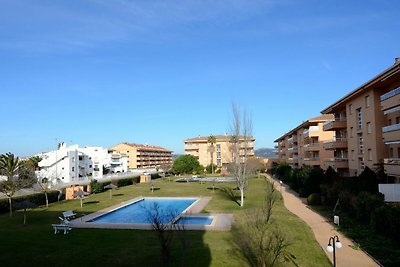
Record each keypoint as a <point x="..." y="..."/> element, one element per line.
<point x="90" y="202"/>
<point x="230" y="194"/>
<point x="118" y="195"/>
<point x="155" y="189"/>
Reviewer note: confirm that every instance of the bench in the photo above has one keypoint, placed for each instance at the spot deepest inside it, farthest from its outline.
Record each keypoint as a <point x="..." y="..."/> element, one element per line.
<point x="61" y="227"/>
<point x="69" y="214"/>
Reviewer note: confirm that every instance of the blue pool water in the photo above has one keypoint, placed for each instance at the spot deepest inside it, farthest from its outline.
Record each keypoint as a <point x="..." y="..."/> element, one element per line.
<point x="141" y="212"/>
<point x="195" y="220"/>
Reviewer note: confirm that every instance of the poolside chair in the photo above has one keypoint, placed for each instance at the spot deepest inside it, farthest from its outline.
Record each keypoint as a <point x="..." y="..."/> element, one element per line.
<point x="61" y="227"/>
<point x="63" y="221"/>
<point x="69" y="214"/>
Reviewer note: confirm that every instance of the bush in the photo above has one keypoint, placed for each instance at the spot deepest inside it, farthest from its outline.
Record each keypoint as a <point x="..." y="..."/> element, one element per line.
<point x="386" y="221"/>
<point x="314" y="199"/>
<point x="366" y="204"/>
<point x="128" y="181"/>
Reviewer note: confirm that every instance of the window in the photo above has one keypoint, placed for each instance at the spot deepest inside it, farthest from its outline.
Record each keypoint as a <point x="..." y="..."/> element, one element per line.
<point x="367" y="101"/>
<point x="73" y="159"/>
<point x="362" y="164"/>
<point x="90" y="166"/>
<point x="360" y="144"/>
<point x="369" y="130"/>
<point x="369" y="154"/>
<point x="359" y="118"/>
<point x="397" y="120"/>
<point x="350" y="109"/>
<point x="73" y="169"/>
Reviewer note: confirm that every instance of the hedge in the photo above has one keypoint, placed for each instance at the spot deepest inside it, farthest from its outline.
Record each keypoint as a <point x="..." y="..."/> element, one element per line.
<point x="38" y="198"/>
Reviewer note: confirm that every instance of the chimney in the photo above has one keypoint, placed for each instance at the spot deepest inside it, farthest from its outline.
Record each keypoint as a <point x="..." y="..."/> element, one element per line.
<point x="397" y="60"/>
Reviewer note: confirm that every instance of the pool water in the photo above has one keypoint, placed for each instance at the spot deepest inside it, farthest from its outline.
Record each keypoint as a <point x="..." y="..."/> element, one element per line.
<point x="195" y="220"/>
<point x="141" y="212"/>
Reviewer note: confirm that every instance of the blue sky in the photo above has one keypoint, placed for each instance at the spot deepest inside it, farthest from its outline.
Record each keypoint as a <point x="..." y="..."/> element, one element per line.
<point x="99" y="72"/>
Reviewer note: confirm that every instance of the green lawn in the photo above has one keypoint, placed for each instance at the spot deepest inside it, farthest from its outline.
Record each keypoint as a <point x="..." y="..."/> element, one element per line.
<point x="35" y="244"/>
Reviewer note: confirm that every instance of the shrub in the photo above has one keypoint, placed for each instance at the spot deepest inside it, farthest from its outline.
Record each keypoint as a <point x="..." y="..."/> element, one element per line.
<point x="314" y="199"/>
<point x="386" y="221"/>
<point x="366" y="204"/>
<point x="96" y="187"/>
<point x="38" y="199"/>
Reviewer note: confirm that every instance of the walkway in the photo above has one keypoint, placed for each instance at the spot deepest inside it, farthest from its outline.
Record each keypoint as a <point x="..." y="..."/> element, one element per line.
<point x="346" y="256"/>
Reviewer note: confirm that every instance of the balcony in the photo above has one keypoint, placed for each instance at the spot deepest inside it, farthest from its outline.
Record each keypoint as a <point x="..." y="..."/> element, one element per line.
<point x="391" y="99"/>
<point x="314" y="161"/>
<point x="312" y="147"/>
<point x="338" y="123"/>
<point x="313" y="131"/>
<point x="337" y="163"/>
<point x="338" y="142"/>
<point x="391" y="133"/>
<point x="392" y="166"/>
<point x="292" y="139"/>
<point x="293" y="160"/>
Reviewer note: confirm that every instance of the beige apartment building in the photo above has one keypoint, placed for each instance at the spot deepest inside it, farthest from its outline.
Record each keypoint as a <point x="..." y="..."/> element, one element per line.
<point x="367" y="126"/>
<point x="222" y="149"/>
<point x="305" y="144"/>
<point x="144" y="156"/>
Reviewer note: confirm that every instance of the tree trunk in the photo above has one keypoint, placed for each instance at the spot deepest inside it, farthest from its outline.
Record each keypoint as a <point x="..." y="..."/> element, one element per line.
<point x="47" y="199"/>
<point x="10" y="203"/>
<point x="241" y="197"/>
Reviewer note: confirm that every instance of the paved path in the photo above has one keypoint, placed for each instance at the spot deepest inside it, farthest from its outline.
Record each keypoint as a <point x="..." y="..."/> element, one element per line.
<point x="346" y="256"/>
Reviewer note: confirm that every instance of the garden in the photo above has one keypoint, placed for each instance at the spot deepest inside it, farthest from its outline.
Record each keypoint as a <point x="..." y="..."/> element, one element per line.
<point x="35" y="243"/>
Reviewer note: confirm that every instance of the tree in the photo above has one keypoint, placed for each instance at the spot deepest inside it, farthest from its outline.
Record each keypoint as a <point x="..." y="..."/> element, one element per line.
<point x="186" y="164"/>
<point x="18" y="176"/>
<point x="257" y="236"/>
<point x="212" y="140"/>
<point x="241" y="130"/>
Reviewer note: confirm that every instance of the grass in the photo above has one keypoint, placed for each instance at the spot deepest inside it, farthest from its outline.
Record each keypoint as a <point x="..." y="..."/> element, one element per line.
<point x="35" y="244"/>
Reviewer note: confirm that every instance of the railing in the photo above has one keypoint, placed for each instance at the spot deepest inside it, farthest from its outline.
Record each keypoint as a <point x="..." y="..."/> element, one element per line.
<point x="312" y="159"/>
<point x="336" y="139"/>
<point x="338" y="119"/>
<point x="391" y="161"/>
<point x="390" y="94"/>
<point x="390" y="128"/>
<point x="337" y="159"/>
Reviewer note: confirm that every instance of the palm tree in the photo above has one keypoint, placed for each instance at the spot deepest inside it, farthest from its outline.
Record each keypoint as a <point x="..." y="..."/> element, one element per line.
<point x="9" y="165"/>
<point x="212" y="140"/>
<point x="18" y="176"/>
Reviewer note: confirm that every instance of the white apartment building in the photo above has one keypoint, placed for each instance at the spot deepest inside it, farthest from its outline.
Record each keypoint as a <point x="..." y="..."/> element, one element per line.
<point x="118" y="162"/>
<point x="74" y="164"/>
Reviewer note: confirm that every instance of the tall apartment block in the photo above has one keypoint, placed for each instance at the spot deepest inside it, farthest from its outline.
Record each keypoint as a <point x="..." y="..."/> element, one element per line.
<point x="222" y="152"/>
<point x="305" y="145"/>
<point x="143" y="156"/>
<point x="367" y="126"/>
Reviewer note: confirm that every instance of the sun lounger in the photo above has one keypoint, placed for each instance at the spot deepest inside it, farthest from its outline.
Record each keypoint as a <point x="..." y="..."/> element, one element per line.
<point x="69" y="214"/>
<point x="61" y="227"/>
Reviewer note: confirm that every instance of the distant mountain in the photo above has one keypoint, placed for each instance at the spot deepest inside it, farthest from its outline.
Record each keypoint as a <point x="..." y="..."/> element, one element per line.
<point x="175" y="156"/>
<point x="265" y="153"/>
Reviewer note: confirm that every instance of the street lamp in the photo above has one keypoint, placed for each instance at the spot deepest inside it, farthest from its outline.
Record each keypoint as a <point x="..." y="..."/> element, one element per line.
<point x="281" y="184"/>
<point x="332" y="247"/>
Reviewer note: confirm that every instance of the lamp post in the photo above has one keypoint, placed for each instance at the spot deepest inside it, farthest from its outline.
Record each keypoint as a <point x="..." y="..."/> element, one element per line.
<point x="281" y="185"/>
<point x="332" y="247"/>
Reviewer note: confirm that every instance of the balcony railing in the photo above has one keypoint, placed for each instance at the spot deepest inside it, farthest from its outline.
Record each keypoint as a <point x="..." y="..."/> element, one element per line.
<point x="390" y="94"/>
<point x="392" y="161"/>
<point x="390" y="128"/>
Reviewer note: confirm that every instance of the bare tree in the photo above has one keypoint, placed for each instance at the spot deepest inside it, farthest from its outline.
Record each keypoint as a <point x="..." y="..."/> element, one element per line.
<point x="241" y="130"/>
<point x="258" y="237"/>
<point x="160" y="223"/>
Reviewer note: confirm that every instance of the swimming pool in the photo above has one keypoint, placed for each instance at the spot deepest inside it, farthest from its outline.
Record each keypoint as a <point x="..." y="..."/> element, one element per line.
<point x="143" y="210"/>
